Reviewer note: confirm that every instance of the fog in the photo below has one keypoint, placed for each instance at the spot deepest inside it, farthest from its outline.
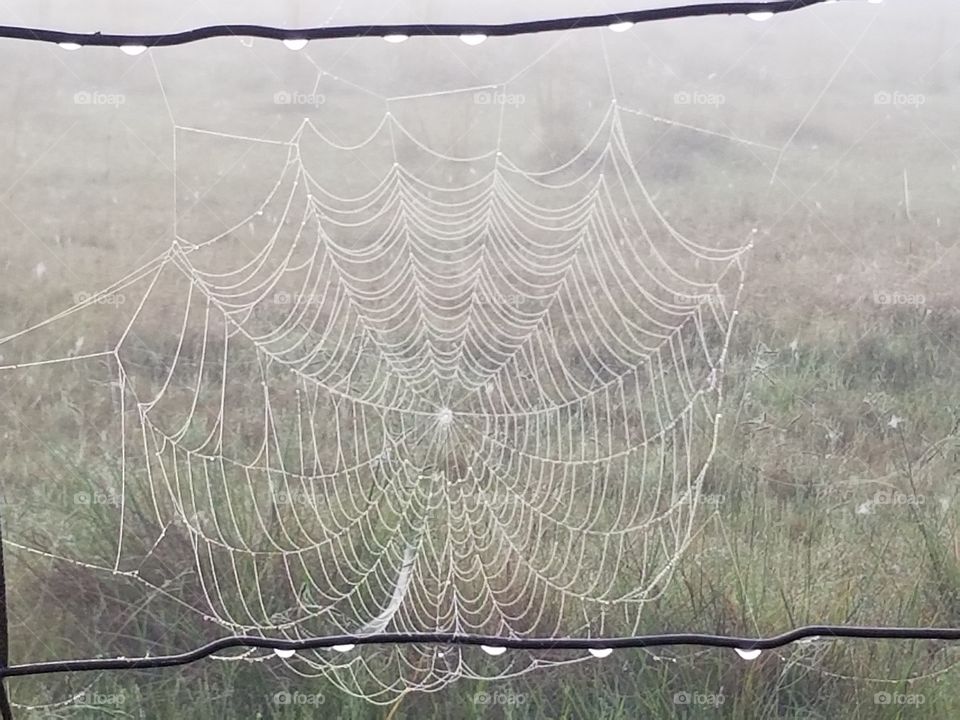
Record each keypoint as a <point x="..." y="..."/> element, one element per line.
<point x="590" y="333"/>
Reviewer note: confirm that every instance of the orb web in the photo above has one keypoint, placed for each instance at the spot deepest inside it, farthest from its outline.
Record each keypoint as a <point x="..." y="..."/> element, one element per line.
<point x="467" y="397"/>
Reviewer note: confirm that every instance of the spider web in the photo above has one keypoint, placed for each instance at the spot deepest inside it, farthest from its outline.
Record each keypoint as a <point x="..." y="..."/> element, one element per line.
<point x="472" y="397"/>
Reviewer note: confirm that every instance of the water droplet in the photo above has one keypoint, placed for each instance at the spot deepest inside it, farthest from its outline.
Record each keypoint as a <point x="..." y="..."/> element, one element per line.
<point x="493" y="650"/>
<point x="69" y="45"/>
<point x="133" y="50"/>
<point x="344" y="648"/>
<point x="473" y="38"/>
<point x="601" y="652"/>
<point x="284" y="654"/>
<point x="748" y="654"/>
<point x="621" y="26"/>
<point x="396" y="38"/>
<point x="295" y="43"/>
<point x="760" y="16"/>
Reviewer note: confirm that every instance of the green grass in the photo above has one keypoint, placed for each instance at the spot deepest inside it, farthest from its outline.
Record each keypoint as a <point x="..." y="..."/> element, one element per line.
<point x="806" y="441"/>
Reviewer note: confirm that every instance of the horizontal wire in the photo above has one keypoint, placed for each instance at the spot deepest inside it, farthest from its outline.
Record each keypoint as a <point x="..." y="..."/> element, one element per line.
<point x="100" y="39"/>
<point x="512" y="643"/>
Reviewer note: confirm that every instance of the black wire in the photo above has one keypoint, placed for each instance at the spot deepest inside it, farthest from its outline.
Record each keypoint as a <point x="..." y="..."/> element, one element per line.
<point x="410" y="30"/>
<point x="447" y="639"/>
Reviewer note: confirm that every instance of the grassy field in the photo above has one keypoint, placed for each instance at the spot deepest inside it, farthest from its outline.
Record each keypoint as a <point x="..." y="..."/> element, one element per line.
<point x="833" y="494"/>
